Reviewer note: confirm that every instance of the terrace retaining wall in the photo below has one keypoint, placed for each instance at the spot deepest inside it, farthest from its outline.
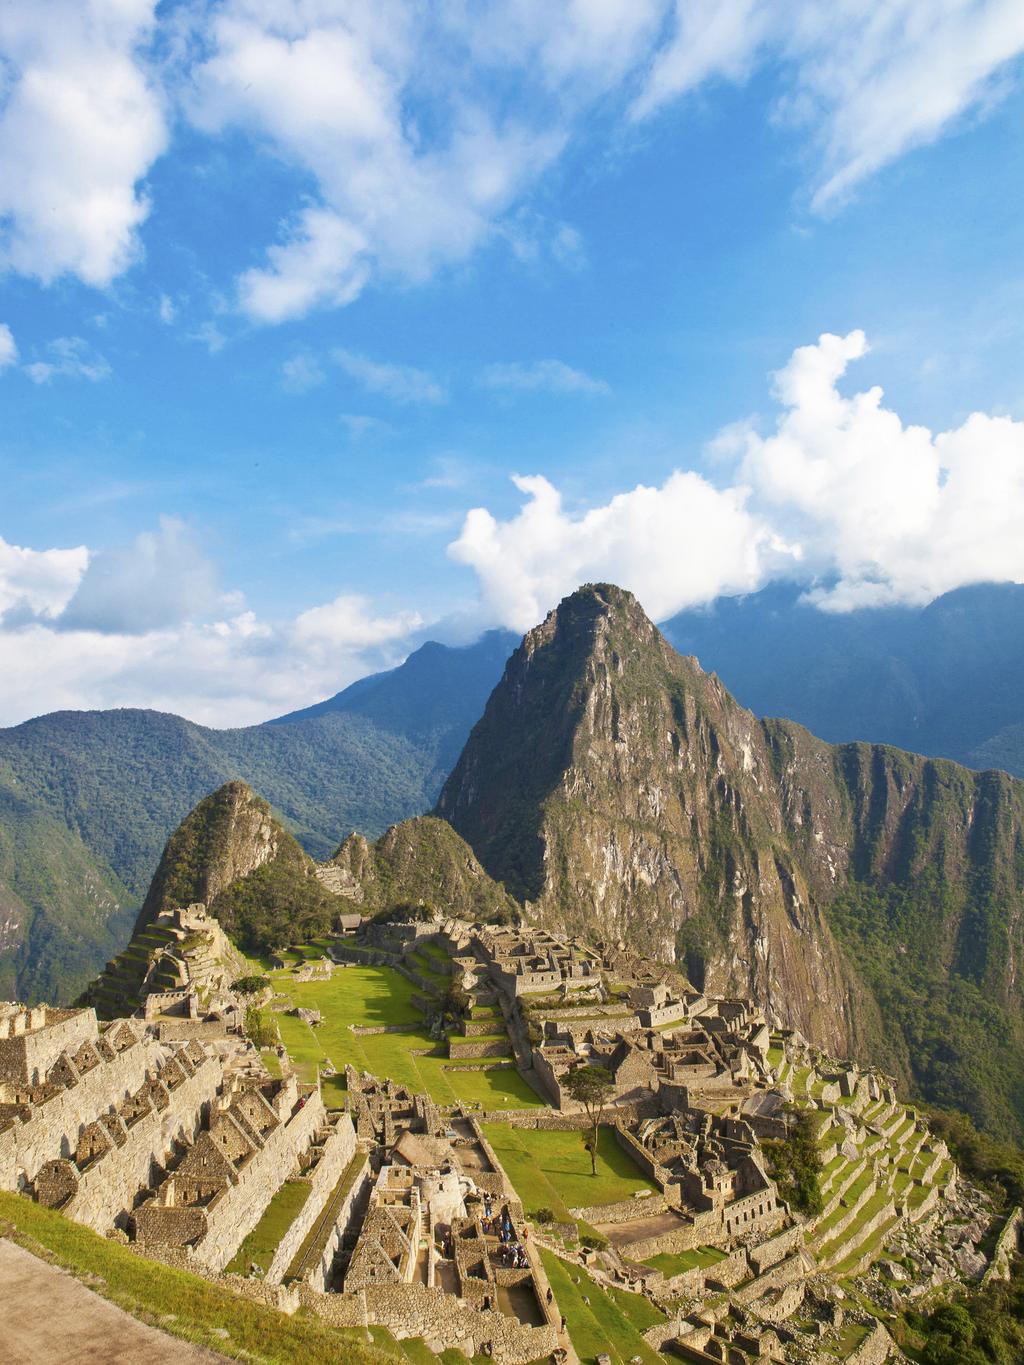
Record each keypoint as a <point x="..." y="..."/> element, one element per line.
<point x="338" y="1152"/>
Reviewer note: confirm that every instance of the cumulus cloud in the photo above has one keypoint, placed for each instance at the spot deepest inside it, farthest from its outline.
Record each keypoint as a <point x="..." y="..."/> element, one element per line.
<point x="400" y="383"/>
<point x="163" y="578"/>
<point x="8" y="347"/>
<point x="892" y="512"/>
<point x="842" y="496"/>
<point x="675" y="545"/>
<point x="550" y="376"/>
<point x="147" y="626"/>
<point x="38" y="582"/>
<point x="81" y="123"/>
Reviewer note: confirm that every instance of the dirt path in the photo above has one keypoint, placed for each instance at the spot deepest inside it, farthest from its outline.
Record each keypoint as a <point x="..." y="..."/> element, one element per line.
<point x="49" y="1318"/>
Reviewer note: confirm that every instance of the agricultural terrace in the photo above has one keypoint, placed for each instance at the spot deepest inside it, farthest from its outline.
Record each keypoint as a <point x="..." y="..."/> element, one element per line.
<point x="602" y="1321"/>
<point x="551" y="1168"/>
<point x="361" y="997"/>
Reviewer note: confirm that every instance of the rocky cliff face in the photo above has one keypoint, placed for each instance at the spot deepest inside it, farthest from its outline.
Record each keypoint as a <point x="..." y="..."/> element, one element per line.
<point x="619" y="790"/>
<point x="622" y="792"/>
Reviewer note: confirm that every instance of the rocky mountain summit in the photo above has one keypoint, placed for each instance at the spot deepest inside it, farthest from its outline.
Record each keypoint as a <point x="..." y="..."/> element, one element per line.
<point x="619" y="790"/>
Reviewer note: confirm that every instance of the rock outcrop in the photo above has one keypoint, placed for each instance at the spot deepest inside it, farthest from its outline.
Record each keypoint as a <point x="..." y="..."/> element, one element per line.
<point x="619" y="790"/>
<point x="421" y="860"/>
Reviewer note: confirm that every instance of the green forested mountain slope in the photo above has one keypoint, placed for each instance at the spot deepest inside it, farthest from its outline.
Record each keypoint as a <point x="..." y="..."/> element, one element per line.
<point x="103" y="790"/>
<point x="870" y="897"/>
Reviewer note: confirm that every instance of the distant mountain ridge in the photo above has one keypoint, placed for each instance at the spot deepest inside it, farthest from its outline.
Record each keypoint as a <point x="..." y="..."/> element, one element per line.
<point x="88" y="799"/>
<point x="946" y="679"/>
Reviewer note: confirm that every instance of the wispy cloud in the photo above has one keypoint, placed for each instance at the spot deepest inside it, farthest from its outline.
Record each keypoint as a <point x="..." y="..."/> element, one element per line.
<point x="69" y="358"/>
<point x="400" y="383"/>
<point x="301" y="373"/>
<point x="548" y="376"/>
<point x="8" y="347"/>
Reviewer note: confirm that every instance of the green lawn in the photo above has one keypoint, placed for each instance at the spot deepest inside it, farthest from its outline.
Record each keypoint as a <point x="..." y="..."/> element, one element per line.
<point x="367" y="996"/>
<point x="552" y="1169"/>
<point x="605" y="1324"/>
<point x="675" y="1264"/>
<point x="265" y="1237"/>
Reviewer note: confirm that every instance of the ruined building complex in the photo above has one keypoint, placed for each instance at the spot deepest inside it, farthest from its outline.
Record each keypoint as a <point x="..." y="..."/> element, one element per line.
<point x="166" y="1130"/>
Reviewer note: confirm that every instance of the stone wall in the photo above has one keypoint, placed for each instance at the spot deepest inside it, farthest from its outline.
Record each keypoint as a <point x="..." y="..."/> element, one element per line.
<point x="54" y="1126"/>
<point x="772" y="1251"/>
<point x="29" y="1056"/>
<point x="469" y="1047"/>
<point x="338" y="1152"/>
<point x="441" y="1319"/>
<point x="241" y="1206"/>
<point x="1006" y="1247"/>
<point x="623" y="1211"/>
<point x="108" y="1187"/>
<point x="318" y="1276"/>
<point x="876" y="1348"/>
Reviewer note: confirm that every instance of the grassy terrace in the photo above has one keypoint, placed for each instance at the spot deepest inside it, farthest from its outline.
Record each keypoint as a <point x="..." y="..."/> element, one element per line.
<point x="265" y="1237"/>
<point x="610" y="1321"/>
<point x="371" y="996"/>
<point x="316" y="1238"/>
<point x="675" y="1264"/>
<point x="552" y="1169"/>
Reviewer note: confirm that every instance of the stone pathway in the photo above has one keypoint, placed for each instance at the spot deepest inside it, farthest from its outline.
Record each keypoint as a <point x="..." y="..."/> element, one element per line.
<point x="49" y="1318"/>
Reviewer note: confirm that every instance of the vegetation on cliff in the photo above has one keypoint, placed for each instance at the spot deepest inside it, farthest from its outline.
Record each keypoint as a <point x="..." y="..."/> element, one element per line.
<point x="418" y="861"/>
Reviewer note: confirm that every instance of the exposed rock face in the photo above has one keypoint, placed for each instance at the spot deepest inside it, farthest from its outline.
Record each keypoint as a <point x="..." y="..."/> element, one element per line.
<point x="618" y="789"/>
<point x="417" y="860"/>
<point x="623" y="792"/>
<point x="229" y="834"/>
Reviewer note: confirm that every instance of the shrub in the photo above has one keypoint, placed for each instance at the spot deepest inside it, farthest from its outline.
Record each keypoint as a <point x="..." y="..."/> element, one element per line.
<point x="250" y="985"/>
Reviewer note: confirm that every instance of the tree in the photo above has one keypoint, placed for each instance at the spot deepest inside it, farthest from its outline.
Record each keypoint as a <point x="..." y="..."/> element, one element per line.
<point x="591" y="1086"/>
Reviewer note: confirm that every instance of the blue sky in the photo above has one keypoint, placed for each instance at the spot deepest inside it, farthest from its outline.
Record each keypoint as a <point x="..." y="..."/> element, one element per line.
<point x="291" y="292"/>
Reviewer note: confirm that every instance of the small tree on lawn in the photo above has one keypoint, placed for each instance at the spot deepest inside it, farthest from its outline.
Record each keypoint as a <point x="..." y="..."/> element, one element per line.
<point x="591" y="1086"/>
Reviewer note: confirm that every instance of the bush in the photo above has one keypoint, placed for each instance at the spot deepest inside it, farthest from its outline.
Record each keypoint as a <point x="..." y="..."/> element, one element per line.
<point x="543" y="1216"/>
<point x="593" y="1241"/>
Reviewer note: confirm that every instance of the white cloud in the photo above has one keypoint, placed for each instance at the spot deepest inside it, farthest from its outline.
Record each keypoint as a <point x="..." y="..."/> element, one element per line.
<point x="167" y="309"/>
<point x="8" y="347"/>
<point x="842" y="496"/>
<point x="894" y="513"/>
<point x="550" y="376"/>
<point x="400" y="383"/>
<point x="69" y="358"/>
<point x="417" y="131"/>
<point x="868" y="81"/>
<point x="74" y="634"/>
<point x="38" y="582"/>
<point x="163" y="578"/>
<point x="673" y="546"/>
<point x="81" y="124"/>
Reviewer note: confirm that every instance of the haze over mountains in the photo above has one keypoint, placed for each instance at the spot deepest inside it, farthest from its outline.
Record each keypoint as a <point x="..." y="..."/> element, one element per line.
<point x="88" y="799"/>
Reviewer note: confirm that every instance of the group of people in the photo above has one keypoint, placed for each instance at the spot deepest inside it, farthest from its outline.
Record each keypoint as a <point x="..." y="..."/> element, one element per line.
<point x="513" y="1256"/>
